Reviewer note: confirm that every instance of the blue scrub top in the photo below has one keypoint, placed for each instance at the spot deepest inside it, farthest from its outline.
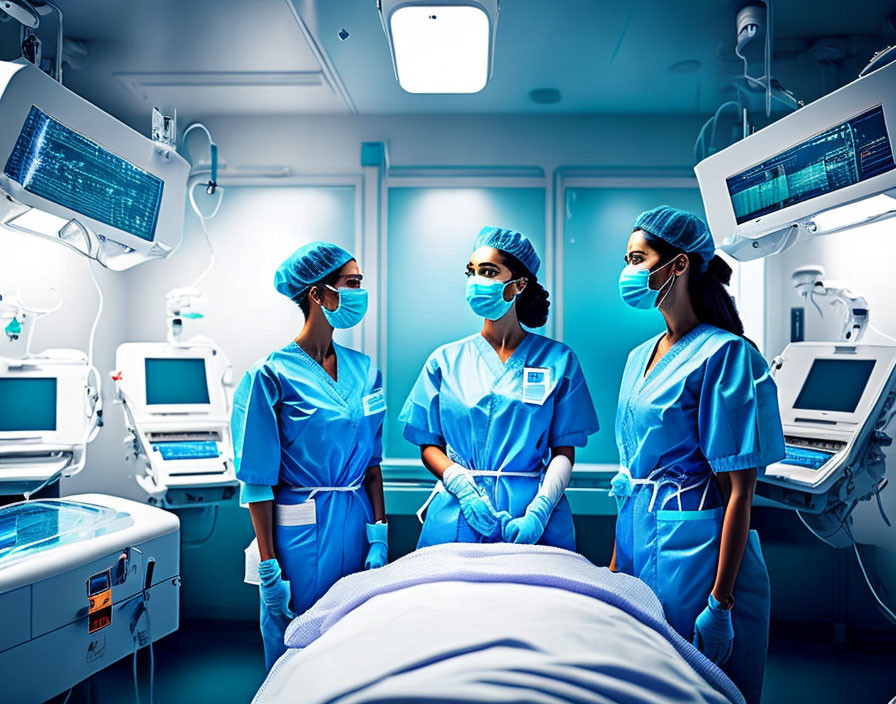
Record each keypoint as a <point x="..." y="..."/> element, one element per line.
<point x="293" y="425"/>
<point x="470" y="402"/>
<point x="709" y="404"/>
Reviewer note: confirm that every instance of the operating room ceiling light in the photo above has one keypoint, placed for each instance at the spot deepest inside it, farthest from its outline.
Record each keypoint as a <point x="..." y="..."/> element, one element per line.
<point x="441" y="47"/>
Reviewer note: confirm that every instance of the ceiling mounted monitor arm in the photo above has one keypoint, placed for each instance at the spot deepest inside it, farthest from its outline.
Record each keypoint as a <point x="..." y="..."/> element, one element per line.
<point x="826" y="168"/>
<point x="809" y="283"/>
<point x="132" y="209"/>
<point x="29" y="17"/>
<point x="21" y="11"/>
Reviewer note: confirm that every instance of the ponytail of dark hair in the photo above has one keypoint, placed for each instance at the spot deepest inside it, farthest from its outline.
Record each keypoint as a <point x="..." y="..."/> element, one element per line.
<point x="712" y="303"/>
<point x="532" y="304"/>
<point x="706" y="287"/>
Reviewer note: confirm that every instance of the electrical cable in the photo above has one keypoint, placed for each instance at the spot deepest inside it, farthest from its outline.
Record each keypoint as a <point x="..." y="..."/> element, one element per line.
<point x="99" y="312"/>
<point x="136" y="683"/>
<point x="881" y="333"/>
<point x="701" y="136"/>
<point x="38" y="314"/>
<point x="200" y="543"/>
<point x="212" y="186"/>
<point x="888" y="613"/>
<point x="204" y="227"/>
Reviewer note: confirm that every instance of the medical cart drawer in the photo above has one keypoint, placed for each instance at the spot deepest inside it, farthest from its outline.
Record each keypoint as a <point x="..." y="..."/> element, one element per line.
<point x="15" y="617"/>
<point x="62" y="598"/>
<point x="48" y="665"/>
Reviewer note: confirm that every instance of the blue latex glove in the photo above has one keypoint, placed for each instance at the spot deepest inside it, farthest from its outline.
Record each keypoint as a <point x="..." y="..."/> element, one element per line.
<point x="378" y="537"/>
<point x="714" y="633"/>
<point x="275" y="591"/>
<point x="475" y="506"/>
<point x="528" y="529"/>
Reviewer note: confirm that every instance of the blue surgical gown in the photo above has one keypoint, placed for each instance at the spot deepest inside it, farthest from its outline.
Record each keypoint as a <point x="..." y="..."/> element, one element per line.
<point x="294" y="426"/>
<point x="709" y="405"/>
<point x="469" y="402"/>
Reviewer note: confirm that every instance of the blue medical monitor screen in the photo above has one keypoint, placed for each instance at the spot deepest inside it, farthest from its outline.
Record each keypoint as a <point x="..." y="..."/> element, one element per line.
<point x="175" y="382"/>
<point x="834" y="385"/>
<point x="54" y="162"/>
<point x="841" y="156"/>
<point x="27" y="405"/>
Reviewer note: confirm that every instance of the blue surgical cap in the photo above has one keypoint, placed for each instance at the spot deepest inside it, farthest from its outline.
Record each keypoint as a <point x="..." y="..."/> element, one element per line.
<point x="512" y="242"/>
<point x="681" y="229"/>
<point x="308" y="265"/>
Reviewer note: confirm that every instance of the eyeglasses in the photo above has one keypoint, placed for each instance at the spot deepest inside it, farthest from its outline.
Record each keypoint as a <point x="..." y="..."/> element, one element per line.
<point x="351" y="281"/>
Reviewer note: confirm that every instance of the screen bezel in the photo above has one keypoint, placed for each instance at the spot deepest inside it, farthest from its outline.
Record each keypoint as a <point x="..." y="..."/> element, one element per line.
<point x="136" y="380"/>
<point x="869" y="91"/>
<point x="798" y="361"/>
<point x="71" y="381"/>
<point x="22" y="85"/>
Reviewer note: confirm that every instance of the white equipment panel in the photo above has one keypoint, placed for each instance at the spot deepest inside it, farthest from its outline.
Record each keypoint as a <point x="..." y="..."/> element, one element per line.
<point x="47" y="417"/>
<point x="84" y="581"/>
<point x="836" y="402"/>
<point x="177" y="407"/>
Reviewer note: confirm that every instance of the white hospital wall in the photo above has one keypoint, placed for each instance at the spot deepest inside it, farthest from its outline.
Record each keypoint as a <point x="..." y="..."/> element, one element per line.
<point x="863" y="259"/>
<point x="33" y="261"/>
<point x="331" y="144"/>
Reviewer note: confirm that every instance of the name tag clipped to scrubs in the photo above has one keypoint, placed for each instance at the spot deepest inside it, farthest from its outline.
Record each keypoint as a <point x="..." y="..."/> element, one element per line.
<point x="536" y="384"/>
<point x="374" y="403"/>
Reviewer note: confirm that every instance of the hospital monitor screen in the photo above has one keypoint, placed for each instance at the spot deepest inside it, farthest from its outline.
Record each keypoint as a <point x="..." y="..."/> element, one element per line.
<point x="834" y="385"/>
<point x="27" y="405"/>
<point x="176" y="381"/>
<point x="63" y="166"/>
<point x="841" y="156"/>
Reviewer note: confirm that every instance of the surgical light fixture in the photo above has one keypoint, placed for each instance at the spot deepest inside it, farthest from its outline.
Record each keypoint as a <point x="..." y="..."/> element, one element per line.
<point x="441" y="46"/>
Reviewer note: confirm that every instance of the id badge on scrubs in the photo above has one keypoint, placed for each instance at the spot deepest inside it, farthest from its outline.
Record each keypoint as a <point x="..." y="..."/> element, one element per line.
<point x="536" y="384"/>
<point x="374" y="403"/>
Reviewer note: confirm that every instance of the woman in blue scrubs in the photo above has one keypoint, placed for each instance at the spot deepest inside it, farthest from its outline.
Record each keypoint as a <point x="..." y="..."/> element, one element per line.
<point x="307" y="432"/>
<point x="697" y="420"/>
<point x="498" y="415"/>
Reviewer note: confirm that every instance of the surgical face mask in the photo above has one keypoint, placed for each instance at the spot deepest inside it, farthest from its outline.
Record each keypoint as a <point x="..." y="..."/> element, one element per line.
<point x="634" y="287"/>
<point x="351" y="309"/>
<point x="486" y="297"/>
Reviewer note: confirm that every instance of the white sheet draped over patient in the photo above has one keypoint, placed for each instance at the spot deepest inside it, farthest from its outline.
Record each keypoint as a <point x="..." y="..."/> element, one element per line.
<point x="495" y="623"/>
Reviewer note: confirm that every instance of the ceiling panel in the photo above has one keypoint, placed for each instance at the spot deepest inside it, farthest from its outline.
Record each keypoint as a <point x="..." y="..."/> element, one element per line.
<point x="603" y="56"/>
